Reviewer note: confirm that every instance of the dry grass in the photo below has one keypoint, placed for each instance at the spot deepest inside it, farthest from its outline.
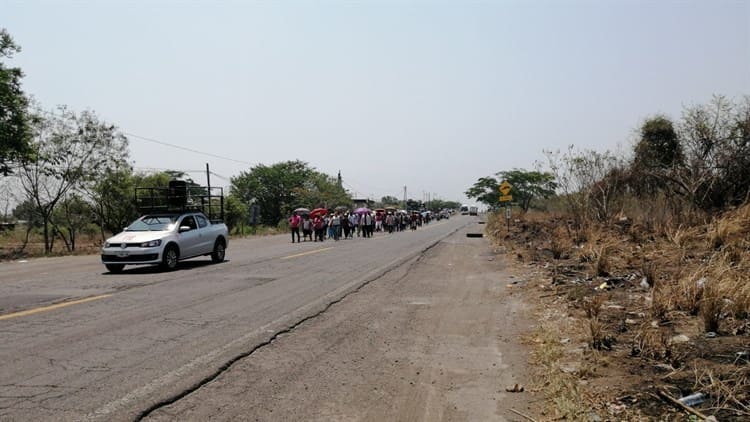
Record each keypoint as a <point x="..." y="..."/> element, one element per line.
<point x="662" y="301"/>
<point x="711" y="307"/>
<point x="677" y="236"/>
<point x="599" y="258"/>
<point x="560" y="244"/>
<point x="598" y="338"/>
<point x="739" y="305"/>
<point x="562" y="388"/>
<point x="689" y="292"/>
<point x="722" y="230"/>
<point x="699" y="280"/>
<point x="730" y="390"/>
<point x="650" y="342"/>
<point x="648" y="270"/>
<point x="602" y="262"/>
<point x="592" y="305"/>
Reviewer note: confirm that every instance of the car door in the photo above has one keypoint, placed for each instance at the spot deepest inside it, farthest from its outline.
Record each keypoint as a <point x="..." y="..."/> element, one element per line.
<point x="190" y="239"/>
<point x="206" y="239"/>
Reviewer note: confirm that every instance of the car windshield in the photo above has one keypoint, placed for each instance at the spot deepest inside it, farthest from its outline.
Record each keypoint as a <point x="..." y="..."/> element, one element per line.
<point x="152" y="223"/>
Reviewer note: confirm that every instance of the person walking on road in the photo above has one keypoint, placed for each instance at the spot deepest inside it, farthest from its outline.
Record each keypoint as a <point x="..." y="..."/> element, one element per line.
<point x="294" y="221"/>
<point x="336" y="226"/>
<point x="353" y="225"/>
<point x="390" y="221"/>
<point x="345" y="225"/>
<point x="307" y="228"/>
<point x="319" y="226"/>
<point x="367" y="224"/>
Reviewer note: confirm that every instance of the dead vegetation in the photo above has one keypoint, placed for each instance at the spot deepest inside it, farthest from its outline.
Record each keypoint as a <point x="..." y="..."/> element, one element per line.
<point x="633" y="310"/>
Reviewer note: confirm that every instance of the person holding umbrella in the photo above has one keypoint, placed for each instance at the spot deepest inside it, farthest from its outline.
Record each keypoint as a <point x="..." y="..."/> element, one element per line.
<point x="319" y="227"/>
<point x="307" y="227"/>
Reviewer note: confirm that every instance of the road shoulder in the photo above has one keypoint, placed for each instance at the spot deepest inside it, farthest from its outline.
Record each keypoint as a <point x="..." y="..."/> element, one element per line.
<point x="439" y="338"/>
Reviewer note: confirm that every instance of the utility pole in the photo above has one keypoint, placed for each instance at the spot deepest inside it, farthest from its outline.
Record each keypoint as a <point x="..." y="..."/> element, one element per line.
<point x="208" y="187"/>
<point x="208" y="180"/>
<point x="404" y="197"/>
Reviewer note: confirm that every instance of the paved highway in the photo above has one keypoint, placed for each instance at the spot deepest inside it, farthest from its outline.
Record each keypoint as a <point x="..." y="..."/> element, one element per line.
<point x="79" y="343"/>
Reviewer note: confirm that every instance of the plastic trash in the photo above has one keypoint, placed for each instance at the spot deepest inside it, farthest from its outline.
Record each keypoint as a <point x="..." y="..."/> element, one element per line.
<point x="644" y="283"/>
<point x="693" y="399"/>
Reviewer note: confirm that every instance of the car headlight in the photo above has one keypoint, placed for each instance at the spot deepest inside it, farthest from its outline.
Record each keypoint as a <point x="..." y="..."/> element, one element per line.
<point x="151" y="243"/>
<point x="106" y="244"/>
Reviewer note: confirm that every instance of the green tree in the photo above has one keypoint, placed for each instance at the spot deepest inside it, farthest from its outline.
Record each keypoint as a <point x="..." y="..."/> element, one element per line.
<point x="72" y="217"/>
<point x="281" y="187"/>
<point x="414" y="205"/>
<point x="322" y="190"/>
<point x="390" y="201"/>
<point x="485" y="190"/>
<point x="436" y="205"/>
<point x="14" y="128"/>
<point x="528" y="185"/>
<point x="236" y="213"/>
<point x="27" y="211"/>
<point x="70" y="151"/>
<point x="454" y="205"/>
<point x="656" y="154"/>
<point x="112" y="198"/>
<point x="113" y="194"/>
<point x="658" y="147"/>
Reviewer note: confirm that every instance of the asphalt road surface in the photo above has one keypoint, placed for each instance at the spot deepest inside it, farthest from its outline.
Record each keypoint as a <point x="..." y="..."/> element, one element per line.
<point x="79" y="343"/>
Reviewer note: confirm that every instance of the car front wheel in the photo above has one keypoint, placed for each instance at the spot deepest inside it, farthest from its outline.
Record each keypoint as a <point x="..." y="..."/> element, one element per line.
<point x="170" y="258"/>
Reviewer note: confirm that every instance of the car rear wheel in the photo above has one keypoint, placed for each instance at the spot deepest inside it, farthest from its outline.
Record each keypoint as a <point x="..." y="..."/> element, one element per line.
<point x="219" y="251"/>
<point x="170" y="258"/>
<point x="115" y="268"/>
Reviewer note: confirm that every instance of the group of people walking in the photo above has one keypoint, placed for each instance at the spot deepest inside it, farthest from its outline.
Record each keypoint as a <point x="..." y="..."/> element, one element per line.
<point x="346" y="225"/>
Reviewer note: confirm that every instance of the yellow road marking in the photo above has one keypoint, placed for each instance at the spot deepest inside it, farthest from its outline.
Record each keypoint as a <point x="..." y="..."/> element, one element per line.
<point x="52" y="307"/>
<point x="306" y="253"/>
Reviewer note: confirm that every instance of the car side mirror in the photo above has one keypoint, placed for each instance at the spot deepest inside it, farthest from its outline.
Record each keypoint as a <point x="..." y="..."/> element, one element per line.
<point x="185" y="229"/>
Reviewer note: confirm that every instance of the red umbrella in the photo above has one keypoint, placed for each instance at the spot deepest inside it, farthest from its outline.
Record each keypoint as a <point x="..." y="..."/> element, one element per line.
<point x="318" y="212"/>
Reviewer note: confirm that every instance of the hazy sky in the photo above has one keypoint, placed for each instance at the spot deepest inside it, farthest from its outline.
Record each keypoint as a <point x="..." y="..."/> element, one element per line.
<point x="430" y="95"/>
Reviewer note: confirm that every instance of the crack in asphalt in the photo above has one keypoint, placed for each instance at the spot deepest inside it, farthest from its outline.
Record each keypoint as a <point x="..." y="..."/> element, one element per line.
<point x="227" y="365"/>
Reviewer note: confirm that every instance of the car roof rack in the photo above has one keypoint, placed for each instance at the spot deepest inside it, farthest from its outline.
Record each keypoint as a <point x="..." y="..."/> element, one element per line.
<point x="182" y="196"/>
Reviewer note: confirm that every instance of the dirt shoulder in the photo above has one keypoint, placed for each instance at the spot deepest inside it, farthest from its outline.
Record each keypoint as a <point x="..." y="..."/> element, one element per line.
<point x="437" y="339"/>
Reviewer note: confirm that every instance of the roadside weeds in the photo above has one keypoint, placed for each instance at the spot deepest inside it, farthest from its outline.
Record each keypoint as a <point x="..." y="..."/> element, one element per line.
<point x="629" y="317"/>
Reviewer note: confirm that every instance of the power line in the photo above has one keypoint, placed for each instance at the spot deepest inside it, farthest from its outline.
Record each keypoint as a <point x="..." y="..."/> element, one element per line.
<point x="168" y="169"/>
<point x="202" y="171"/>
<point x="156" y="141"/>
<point x="195" y="151"/>
<point x="228" y="179"/>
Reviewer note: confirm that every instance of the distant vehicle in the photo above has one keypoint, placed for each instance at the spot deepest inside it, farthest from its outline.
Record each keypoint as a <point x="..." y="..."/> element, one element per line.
<point x="174" y="229"/>
<point x="464" y="209"/>
<point x="473" y="210"/>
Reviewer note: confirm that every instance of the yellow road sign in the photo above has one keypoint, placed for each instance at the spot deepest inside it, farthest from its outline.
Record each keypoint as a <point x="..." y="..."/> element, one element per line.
<point x="505" y="188"/>
<point x="506" y="198"/>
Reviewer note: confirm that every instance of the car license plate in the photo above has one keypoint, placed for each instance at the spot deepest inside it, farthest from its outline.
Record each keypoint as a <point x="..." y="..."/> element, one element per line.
<point x="122" y="254"/>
